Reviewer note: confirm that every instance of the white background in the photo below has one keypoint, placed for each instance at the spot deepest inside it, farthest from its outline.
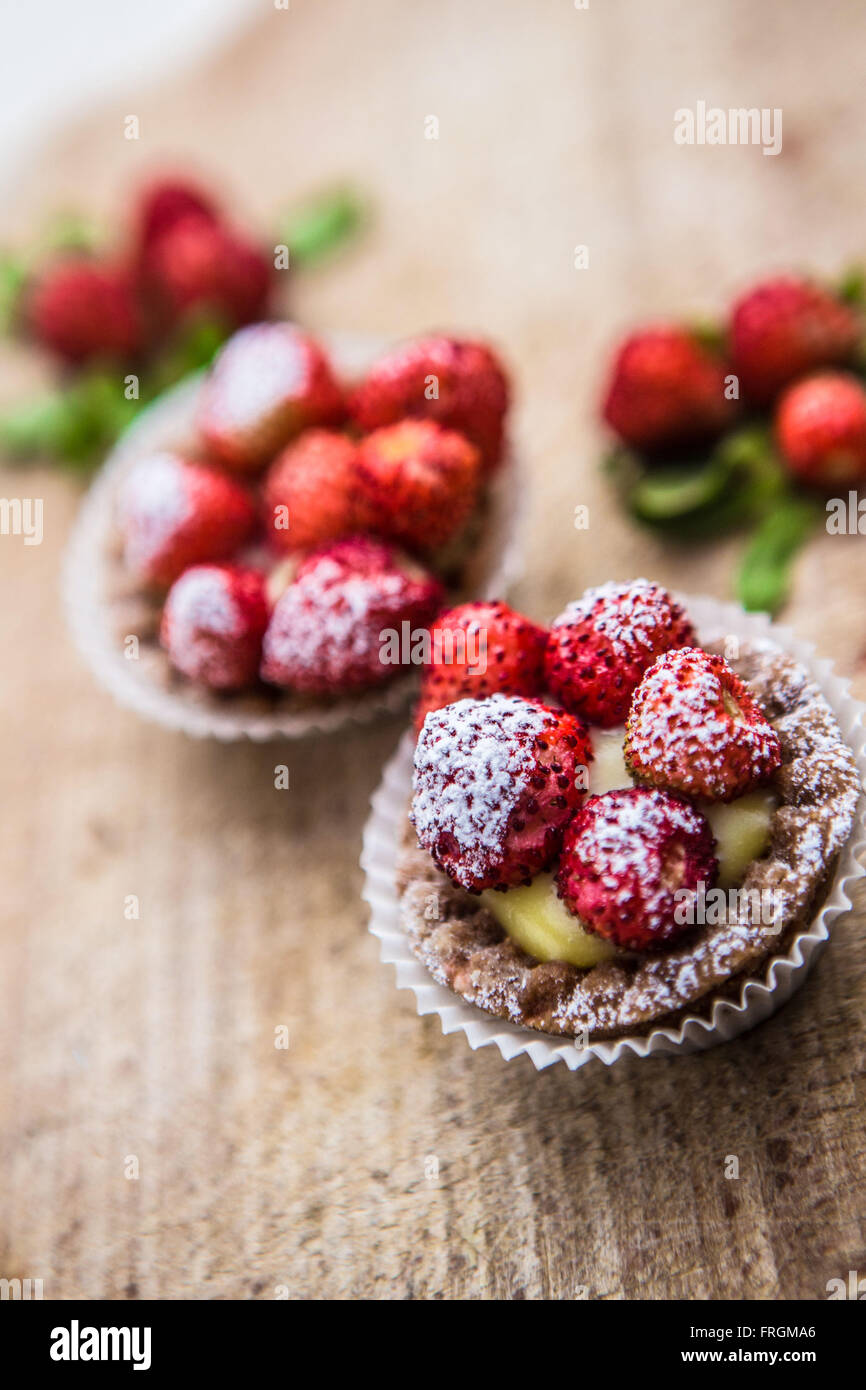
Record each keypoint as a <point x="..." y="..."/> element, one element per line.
<point x="56" y="56"/>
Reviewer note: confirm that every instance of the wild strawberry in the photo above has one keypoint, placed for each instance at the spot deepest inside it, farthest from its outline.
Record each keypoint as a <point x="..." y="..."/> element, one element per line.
<point x="477" y="649"/>
<point x="311" y="491"/>
<point x="784" y="328"/>
<point x="213" y="623"/>
<point x="197" y="264"/>
<point x="165" y="203"/>
<point x="269" y="382"/>
<point x="600" y="646"/>
<point x="626" y="856"/>
<point x="328" y="630"/>
<point x="695" y="728"/>
<point x="821" y="429"/>
<point x="666" y="389"/>
<point x="82" y="309"/>
<point x="420" y="481"/>
<point x="173" y="513"/>
<point x="496" y="782"/>
<point x="460" y="384"/>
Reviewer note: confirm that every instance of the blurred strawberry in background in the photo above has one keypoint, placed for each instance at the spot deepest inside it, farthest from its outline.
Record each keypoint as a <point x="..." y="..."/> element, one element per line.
<point x="821" y="430"/>
<point x="785" y="327"/>
<point x="667" y="388"/>
<point x="82" y="309"/>
<point x="194" y="261"/>
<point x="744" y="426"/>
<point x="124" y="317"/>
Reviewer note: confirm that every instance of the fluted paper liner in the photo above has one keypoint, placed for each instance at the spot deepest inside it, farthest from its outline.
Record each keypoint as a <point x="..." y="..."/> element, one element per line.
<point x="760" y="996"/>
<point x="169" y="423"/>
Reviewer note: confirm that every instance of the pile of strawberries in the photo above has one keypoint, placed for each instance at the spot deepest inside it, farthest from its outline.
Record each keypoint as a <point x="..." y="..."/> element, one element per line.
<point x="501" y="771"/>
<point x="181" y="257"/>
<point x="124" y="312"/>
<point x="789" y="349"/>
<point x="312" y="517"/>
<point x="748" y="425"/>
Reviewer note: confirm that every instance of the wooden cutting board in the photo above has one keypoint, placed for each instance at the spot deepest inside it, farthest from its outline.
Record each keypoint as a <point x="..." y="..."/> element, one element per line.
<point x="153" y="1140"/>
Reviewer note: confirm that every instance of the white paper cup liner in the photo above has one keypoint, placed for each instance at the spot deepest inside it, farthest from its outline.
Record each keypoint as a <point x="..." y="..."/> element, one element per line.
<point x="761" y="996"/>
<point x="491" y="570"/>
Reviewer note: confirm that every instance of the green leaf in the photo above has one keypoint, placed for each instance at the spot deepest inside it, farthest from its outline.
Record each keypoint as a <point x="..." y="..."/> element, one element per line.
<point x="13" y="275"/>
<point x="852" y="286"/>
<point x="34" y="427"/>
<point x="731" y="486"/>
<point x="668" y="494"/>
<point x="709" y="333"/>
<point x="70" y="231"/>
<point x="764" y="575"/>
<point x="74" y="424"/>
<point x="319" y="227"/>
<point x="194" y="347"/>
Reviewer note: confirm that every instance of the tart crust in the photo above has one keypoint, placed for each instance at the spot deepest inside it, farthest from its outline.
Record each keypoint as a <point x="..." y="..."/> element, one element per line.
<point x="465" y="948"/>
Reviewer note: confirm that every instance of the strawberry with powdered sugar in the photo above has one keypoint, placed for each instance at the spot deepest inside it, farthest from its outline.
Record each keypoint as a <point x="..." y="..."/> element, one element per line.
<point x="496" y="781"/>
<point x="269" y="382"/>
<point x="695" y="728"/>
<point x="601" y="645"/>
<point x="626" y="857"/>
<point x="173" y="513"/>
<point x="477" y="649"/>
<point x="213" y="624"/>
<point x="326" y="634"/>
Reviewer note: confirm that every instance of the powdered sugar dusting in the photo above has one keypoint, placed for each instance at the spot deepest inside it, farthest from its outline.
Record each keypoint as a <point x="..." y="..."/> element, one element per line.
<point x="616" y="861"/>
<point x="259" y="368"/>
<point x="627" y="614"/>
<point x="324" y="615"/>
<point x="201" y="599"/>
<point x="153" y="502"/>
<point x="472" y="766"/>
<point x="326" y="630"/>
<point x="818" y="786"/>
<point x="684" y="730"/>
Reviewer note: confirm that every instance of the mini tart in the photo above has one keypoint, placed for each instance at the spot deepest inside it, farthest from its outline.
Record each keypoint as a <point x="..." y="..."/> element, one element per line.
<point x="105" y="606"/>
<point x="818" y="789"/>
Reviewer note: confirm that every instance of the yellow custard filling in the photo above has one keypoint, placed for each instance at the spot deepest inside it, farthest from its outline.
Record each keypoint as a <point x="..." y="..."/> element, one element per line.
<point x="538" y="920"/>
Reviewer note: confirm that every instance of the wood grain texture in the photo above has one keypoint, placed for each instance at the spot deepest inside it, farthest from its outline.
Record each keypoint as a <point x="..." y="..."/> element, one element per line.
<point x="311" y="1167"/>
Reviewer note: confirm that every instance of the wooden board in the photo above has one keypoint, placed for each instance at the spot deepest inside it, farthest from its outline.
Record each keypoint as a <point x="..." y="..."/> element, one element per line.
<point x="312" y="1168"/>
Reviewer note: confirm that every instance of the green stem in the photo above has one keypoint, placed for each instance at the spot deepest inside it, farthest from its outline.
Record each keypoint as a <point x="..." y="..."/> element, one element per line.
<point x="764" y="576"/>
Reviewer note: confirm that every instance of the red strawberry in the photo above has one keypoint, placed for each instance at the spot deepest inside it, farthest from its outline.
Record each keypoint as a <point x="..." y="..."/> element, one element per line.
<point x="821" y="429"/>
<point x="213" y="623"/>
<point x="166" y="202"/>
<point x="311" y="491"/>
<point x="786" y="327"/>
<point x="420" y="481"/>
<point x="198" y="264"/>
<point x="600" y="646"/>
<point x="327" y="634"/>
<point x="477" y="649"/>
<point x="666" y="388"/>
<point x="460" y="384"/>
<point x="83" y="309"/>
<point x="695" y="728"/>
<point x="496" y="782"/>
<point x="269" y="382"/>
<point x="625" y="857"/>
<point x="364" y="555"/>
<point x="174" y="513"/>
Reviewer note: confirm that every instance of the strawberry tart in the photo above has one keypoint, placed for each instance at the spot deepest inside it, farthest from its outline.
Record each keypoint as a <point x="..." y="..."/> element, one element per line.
<point x="255" y="553"/>
<point x="613" y="826"/>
